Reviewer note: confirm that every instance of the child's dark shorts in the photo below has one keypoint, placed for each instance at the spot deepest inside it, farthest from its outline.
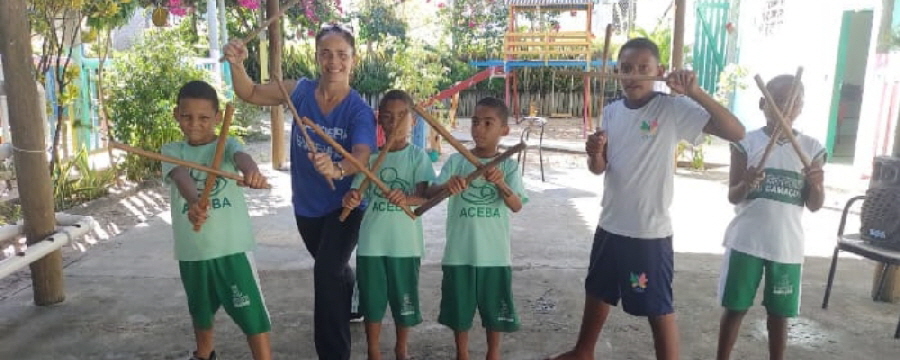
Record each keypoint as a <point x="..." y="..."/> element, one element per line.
<point x="638" y="271"/>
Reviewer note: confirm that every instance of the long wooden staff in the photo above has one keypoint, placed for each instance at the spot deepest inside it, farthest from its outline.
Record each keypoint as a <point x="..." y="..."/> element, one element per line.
<point x="436" y="125"/>
<point x="353" y="161"/>
<point x="392" y="139"/>
<point x="781" y="120"/>
<point x="445" y="193"/>
<point x="309" y="143"/>
<point x="266" y="24"/>
<point x="615" y="76"/>
<point x="788" y="106"/>
<point x="176" y="161"/>
<point x="606" y="41"/>
<point x="217" y="160"/>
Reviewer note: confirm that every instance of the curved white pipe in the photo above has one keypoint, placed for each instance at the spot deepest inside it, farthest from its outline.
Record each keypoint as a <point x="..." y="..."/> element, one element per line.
<point x="73" y="226"/>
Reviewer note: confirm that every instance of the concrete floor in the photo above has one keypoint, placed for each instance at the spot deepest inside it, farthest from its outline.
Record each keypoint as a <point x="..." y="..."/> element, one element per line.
<point x="125" y="301"/>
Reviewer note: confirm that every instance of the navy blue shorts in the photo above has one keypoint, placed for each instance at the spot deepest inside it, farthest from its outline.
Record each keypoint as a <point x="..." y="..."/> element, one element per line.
<point x="638" y="271"/>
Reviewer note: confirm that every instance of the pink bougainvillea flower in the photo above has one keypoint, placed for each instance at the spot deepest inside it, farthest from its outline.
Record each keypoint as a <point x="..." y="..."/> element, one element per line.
<point x="472" y="24"/>
<point x="311" y="33"/>
<point x="441" y="5"/>
<point x="249" y="4"/>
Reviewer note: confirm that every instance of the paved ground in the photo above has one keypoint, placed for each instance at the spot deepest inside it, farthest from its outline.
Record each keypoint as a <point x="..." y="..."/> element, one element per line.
<point x="124" y="299"/>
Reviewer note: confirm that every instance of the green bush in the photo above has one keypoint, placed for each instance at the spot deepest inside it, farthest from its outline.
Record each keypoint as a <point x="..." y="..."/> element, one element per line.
<point x="144" y="83"/>
<point x="74" y="182"/>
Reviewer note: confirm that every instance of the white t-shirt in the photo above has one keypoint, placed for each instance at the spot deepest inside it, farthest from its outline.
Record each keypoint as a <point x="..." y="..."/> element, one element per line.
<point x="767" y="224"/>
<point x="640" y="166"/>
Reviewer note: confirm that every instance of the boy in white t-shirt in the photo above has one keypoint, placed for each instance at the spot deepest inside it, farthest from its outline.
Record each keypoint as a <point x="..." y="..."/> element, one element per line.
<point x="632" y="257"/>
<point x="766" y="236"/>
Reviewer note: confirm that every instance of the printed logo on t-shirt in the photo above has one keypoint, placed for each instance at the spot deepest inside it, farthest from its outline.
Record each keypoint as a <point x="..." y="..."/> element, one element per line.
<point x="200" y="177"/>
<point x="337" y="134"/>
<point x="480" y="196"/>
<point x="215" y="202"/>
<point x="480" y="192"/>
<point x="780" y="185"/>
<point x="649" y="128"/>
<point x="638" y="282"/>
<point x="390" y="177"/>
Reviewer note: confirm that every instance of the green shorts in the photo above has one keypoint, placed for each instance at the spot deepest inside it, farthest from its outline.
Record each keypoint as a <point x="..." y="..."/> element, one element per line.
<point x="231" y="282"/>
<point x="740" y="279"/>
<point x="386" y="280"/>
<point x="489" y="289"/>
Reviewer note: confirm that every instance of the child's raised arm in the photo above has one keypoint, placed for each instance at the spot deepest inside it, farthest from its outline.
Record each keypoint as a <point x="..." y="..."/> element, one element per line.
<point x="741" y="180"/>
<point x="722" y="123"/>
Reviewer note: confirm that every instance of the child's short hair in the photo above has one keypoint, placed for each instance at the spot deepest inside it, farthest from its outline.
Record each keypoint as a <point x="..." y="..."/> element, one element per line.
<point x="200" y="90"/>
<point x="496" y="104"/>
<point x="396" y="95"/>
<point x="641" y="44"/>
<point x="785" y="79"/>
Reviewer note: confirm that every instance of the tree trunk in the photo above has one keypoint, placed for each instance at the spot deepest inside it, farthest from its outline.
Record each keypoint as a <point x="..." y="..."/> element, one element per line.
<point x="677" y="61"/>
<point x="27" y="132"/>
<point x="277" y="112"/>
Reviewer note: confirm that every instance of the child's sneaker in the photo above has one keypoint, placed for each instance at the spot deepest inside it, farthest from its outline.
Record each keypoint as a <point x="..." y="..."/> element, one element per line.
<point x="212" y="356"/>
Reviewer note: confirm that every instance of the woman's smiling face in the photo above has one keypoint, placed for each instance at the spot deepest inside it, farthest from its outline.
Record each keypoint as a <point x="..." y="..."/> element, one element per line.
<point x="335" y="57"/>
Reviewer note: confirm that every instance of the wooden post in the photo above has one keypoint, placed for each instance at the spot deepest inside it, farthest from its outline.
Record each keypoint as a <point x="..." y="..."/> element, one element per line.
<point x="275" y="75"/>
<point x="677" y="60"/>
<point x="31" y="160"/>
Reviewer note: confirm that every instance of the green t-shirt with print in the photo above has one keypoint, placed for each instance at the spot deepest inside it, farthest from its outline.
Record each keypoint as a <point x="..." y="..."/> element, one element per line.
<point x="227" y="230"/>
<point x="478" y="218"/>
<point x="386" y="230"/>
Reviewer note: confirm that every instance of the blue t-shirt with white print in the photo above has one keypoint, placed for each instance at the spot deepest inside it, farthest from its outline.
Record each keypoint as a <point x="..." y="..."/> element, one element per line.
<point x="352" y="122"/>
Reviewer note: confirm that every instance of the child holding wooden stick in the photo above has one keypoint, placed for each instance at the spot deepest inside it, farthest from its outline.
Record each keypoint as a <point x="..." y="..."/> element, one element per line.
<point x="765" y="239"/>
<point x="477" y="265"/>
<point x="390" y="243"/>
<point x="215" y="264"/>
<point x="632" y="258"/>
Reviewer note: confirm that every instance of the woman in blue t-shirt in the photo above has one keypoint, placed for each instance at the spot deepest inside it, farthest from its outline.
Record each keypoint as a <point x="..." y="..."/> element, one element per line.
<point x="347" y="118"/>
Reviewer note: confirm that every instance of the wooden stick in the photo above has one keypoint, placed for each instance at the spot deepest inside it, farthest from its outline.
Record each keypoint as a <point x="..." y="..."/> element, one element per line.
<point x="217" y="160"/>
<point x="436" y="125"/>
<point x="309" y="143"/>
<point x="354" y="161"/>
<point x="598" y="74"/>
<point x="392" y="138"/>
<point x="781" y="120"/>
<point x="171" y="160"/>
<point x="266" y="24"/>
<point x="609" y="31"/>
<point x="445" y="193"/>
<point x="788" y="106"/>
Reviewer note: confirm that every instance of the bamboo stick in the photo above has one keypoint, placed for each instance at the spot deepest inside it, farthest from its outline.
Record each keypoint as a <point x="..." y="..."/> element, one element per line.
<point x="615" y="76"/>
<point x="457" y="145"/>
<point x="217" y="160"/>
<point x="784" y="124"/>
<point x="445" y="193"/>
<point x="265" y="24"/>
<point x="788" y="105"/>
<point x="354" y="161"/>
<point x="392" y="139"/>
<point x="309" y="142"/>
<point x="176" y="161"/>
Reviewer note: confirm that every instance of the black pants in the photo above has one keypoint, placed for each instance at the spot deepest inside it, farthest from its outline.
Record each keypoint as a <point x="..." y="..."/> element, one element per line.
<point x="330" y="242"/>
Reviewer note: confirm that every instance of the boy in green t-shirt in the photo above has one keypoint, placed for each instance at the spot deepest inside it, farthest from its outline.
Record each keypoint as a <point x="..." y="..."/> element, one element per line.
<point x="216" y="269"/>
<point x="390" y="243"/>
<point x="476" y="264"/>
